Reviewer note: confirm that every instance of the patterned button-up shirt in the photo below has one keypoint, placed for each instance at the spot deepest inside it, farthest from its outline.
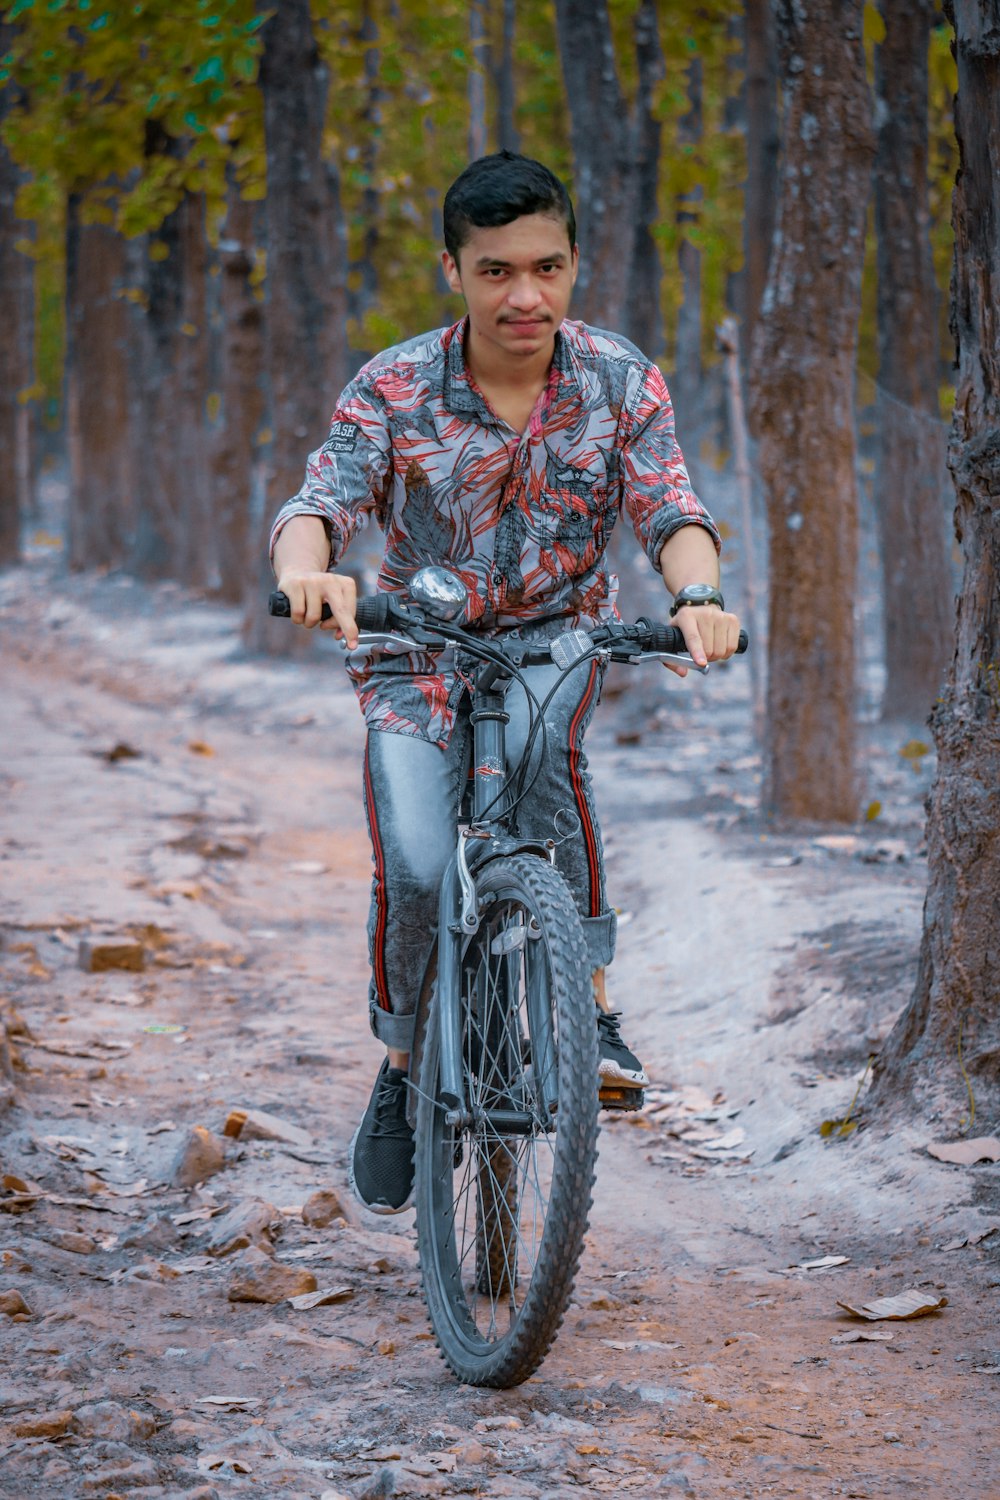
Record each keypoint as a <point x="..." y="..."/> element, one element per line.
<point x="523" y="518"/>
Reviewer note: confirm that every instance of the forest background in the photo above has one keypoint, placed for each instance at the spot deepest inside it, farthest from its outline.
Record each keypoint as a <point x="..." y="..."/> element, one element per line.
<point x="212" y="211"/>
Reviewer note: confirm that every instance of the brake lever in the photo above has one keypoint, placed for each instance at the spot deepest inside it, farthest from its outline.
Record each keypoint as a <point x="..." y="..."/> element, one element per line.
<point x="676" y="659"/>
<point x="382" y="640"/>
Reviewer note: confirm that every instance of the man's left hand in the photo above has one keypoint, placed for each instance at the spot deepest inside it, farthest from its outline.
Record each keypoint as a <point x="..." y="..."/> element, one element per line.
<point x="710" y="634"/>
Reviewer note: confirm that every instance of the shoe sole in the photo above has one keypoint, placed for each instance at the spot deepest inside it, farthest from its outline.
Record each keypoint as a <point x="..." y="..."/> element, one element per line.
<point x="384" y="1209"/>
<point x="611" y="1071"/>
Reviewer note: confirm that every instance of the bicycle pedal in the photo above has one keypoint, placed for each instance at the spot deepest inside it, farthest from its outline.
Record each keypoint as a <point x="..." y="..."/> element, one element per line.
<point x="617" y="1096"/>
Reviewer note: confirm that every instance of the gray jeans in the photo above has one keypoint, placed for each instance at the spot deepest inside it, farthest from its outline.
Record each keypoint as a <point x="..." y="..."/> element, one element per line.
<point x="413" y="793"/>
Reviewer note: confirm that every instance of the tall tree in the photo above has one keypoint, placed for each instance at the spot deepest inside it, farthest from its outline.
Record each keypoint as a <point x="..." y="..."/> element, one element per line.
<point x="503" y="78"/>
<point x="803" y="403"/>
<point x="762" y="159"/>
<point x="644" y="319"/>
<point x="239" y="342"/>
<point x="102" y="489"/>
<point x="953" y="1018"/>
<point x="687" y="362"/>
<point x="305" y="295"/>
<point x="604" y="160"/>
<point x="15" y="303"/>
<point x="173" y="537"/>
<point x="910" y="445"/>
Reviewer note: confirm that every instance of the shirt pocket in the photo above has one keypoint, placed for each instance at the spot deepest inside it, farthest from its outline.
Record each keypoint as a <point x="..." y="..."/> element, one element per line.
<point x="579" y="520"/>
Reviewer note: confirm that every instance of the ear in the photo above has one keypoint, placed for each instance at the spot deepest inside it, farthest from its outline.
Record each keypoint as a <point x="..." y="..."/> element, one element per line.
<point x="451" y="272"/>
<point x="576" y="263"/>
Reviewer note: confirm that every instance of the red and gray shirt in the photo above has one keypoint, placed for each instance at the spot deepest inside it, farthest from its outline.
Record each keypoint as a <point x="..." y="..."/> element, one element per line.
<point x="523" y="518"/>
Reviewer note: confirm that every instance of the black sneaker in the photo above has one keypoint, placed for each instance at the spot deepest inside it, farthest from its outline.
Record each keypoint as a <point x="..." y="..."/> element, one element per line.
<point x="380" y="1162"/>
<point x="617" y="1066"/>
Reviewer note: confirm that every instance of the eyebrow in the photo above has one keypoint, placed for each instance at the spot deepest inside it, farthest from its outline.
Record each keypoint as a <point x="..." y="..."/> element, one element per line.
<point x="558" y="258"/>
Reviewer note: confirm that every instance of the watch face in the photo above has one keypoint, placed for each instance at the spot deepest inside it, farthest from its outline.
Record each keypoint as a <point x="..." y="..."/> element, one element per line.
<point x="698" y="591"/>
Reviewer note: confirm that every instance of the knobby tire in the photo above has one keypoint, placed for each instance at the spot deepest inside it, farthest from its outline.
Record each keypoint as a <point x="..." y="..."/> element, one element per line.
<point x="501" y="1217"/>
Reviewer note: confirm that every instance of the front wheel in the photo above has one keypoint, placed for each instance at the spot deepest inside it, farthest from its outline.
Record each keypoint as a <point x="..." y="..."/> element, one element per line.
<point x="503" y="1188"/>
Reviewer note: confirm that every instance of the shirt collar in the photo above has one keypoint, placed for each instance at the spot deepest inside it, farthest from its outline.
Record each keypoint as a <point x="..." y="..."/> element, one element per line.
<point x="460" y="394"/>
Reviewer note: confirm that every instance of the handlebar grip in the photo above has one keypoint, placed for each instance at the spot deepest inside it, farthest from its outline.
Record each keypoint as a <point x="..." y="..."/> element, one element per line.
<point x="372" y="612"/>
<point x="277" y="604"/>
<point x="671" y="637"/>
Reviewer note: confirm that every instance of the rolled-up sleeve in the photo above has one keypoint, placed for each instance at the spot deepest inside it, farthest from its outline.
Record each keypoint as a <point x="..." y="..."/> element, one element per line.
<point x="656" y="489"/>
<point x="345" y="480"/>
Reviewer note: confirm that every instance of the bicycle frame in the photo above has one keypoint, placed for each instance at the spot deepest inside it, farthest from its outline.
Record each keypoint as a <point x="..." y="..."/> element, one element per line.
<point x="458" y="915"/>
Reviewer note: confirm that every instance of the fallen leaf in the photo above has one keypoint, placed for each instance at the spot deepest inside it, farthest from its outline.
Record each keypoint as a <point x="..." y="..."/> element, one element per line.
<point x="909" y="1304"/>
<point x="863" y="1335"/>
<point x="241" y="1403"/>
<point x="837" y="1127"/>
<point x="323" y="1298"/>
<point x="198" y="747"/>
<point x="727" y="1142"/>
<point x="966" y="1153"/>
<point x="823" y="1262"/>
<point x="119" y="751"/>
<point x="213" y="1463"/>
<point x="193" y="1215"/>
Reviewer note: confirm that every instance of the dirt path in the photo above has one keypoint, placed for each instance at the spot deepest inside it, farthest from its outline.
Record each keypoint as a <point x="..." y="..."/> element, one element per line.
<point x="757" y="972"/>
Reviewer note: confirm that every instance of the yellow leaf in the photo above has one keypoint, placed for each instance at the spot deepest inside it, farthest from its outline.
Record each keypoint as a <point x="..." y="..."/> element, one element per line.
<point x="872" y="811"/>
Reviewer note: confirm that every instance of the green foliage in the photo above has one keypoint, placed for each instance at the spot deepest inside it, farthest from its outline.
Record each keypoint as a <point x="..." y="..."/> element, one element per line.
<point x="132" y="105"/>
<point x="95" y="75"/>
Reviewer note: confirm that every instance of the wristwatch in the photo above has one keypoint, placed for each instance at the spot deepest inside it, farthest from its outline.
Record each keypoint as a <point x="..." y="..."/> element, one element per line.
<point x="697" y="593"/>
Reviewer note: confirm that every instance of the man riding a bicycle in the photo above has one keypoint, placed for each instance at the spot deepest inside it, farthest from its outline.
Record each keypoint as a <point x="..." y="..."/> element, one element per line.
<point x="503" y="448"/>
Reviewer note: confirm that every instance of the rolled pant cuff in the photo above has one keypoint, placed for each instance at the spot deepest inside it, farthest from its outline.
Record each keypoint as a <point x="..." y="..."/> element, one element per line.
<point x="600" y="933"/>
<point x="394" y="1031"/>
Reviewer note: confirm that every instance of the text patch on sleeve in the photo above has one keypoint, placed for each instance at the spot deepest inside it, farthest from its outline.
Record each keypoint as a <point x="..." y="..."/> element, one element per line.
<point x="343" y="438"/>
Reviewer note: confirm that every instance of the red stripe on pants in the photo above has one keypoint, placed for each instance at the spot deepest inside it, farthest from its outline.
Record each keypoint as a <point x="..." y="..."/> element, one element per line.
<point x="589" y="832"/>
<point x="378" y="941"/>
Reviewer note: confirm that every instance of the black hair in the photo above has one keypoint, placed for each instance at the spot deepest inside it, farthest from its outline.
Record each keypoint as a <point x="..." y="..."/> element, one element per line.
<point x="496" y="190"/>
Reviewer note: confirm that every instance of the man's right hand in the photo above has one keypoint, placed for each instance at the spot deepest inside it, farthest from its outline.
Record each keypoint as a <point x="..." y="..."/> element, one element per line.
<point x="308" y="590"/>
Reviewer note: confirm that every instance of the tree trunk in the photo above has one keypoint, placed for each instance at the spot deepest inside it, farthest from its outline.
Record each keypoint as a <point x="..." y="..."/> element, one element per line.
<point x="102" y="491"/>
<point x="174" y="537"/>
<point x="234" y="456"/>
<point x="910" y="463"/>
<point x="803" y="379"/>
<point x="16" y="285"/>
<point x="503" y="80"/>
<point x="687" y="376"/>
<point x="953" y="1018"/>
<point x="604" y="161"/>
<point x="644" y="324"/>
<point x="762" y="160"/>
<point x="479" y="49"/>
<point x="305" y="317"/>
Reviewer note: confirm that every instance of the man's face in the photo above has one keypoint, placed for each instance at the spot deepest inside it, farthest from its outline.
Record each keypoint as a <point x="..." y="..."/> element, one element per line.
<point x="517" y="281"/>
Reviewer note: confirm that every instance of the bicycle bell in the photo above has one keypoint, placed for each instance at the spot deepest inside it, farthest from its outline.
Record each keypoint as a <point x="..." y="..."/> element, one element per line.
<point x="441" y="593"/>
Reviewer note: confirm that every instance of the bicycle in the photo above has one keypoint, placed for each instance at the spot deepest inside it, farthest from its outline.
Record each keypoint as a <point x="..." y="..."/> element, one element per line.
<point x="504" y="1064"/>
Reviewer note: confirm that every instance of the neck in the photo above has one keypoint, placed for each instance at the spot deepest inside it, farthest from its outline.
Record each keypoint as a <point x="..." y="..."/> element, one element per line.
<point x="489" y="366"/>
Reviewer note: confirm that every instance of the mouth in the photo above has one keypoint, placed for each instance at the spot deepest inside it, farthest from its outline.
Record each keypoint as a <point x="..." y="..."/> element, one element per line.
<point x="524" y="322"/>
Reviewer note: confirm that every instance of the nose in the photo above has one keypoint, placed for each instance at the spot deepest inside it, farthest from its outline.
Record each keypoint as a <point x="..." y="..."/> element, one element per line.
<point x="525" y="294"/>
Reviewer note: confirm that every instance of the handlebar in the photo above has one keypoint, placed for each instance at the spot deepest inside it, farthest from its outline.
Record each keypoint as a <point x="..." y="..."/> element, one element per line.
<point x="380" y="612"/>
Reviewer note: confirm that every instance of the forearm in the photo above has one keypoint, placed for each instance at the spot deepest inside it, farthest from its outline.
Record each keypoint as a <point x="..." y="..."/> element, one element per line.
<point x="302" y="547"/>
<point x="689" y="556"/>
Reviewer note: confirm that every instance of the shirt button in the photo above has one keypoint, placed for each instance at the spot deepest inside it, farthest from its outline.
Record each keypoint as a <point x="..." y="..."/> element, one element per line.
<point x="497" y="577"/>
